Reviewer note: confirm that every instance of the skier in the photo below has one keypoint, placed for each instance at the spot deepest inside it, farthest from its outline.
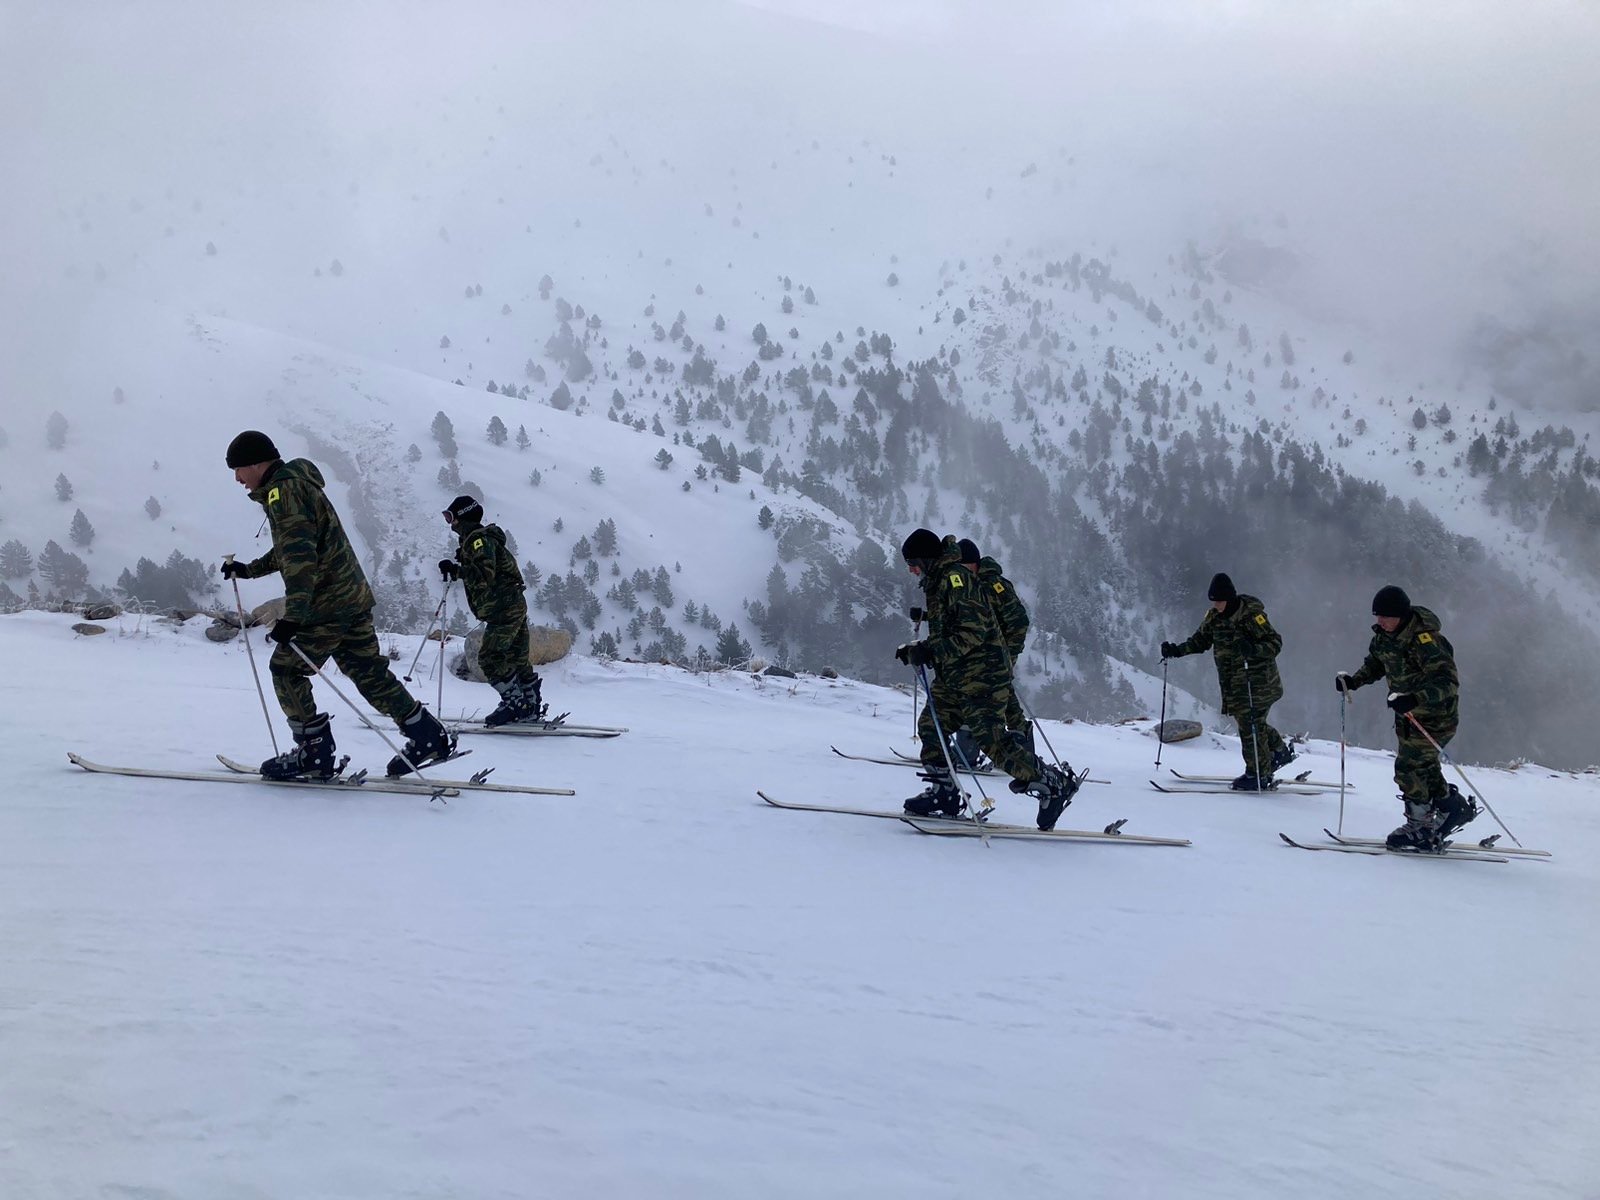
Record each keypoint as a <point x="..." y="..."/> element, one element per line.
<point x="327" y="613"/>
<point x="1011" y="617"/>
<point x="972" y="686"/>
<point x="495" y="596"/>
<point x="1246" y="647"/>
<point x="1409" y="650"/>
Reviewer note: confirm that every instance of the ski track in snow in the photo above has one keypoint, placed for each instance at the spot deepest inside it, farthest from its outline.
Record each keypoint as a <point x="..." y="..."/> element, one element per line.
<point x="663" y="987"/>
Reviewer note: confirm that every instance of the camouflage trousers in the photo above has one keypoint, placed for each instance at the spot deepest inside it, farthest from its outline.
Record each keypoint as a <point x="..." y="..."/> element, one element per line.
<point x="1257" y="737"/>
<point x="503" y="653"/>
<point x="1416" y="763"/>
<point x="983" y="710"/>
<point x="354" y="647"/>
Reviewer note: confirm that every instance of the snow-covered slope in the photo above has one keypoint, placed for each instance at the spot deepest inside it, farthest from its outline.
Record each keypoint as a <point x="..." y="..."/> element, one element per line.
<point x="663" y="987"/>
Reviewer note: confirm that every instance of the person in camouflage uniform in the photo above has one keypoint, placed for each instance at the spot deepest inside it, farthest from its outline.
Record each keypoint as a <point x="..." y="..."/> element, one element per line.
<point x="972" y="686"/>
<point x="1011" y="618"/>
<point x="1246" y="648"/>
<point x="327" y="614"/>
<point x="1409" y="651"/>
<point x="495" y="595"/>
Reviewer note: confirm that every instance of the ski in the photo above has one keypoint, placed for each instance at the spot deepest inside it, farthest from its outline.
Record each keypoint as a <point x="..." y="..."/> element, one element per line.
<point x="1211" y="789"/>
<point x="902" y="761"/>
<point x="1487" y="844"/>
<point x="1376" y="851"/>
<point x="911" y="760"/>
<point x="342" y="783"/>
<point x="477" y="783"/>
<point x="1027" y="833"/>
<point x="967" y="825"/>
<point x="1303" y="778"/>
<point x="537" y="729"/>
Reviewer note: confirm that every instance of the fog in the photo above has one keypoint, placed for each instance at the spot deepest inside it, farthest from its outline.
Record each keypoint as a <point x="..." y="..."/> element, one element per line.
<point x="1426" y="164"/>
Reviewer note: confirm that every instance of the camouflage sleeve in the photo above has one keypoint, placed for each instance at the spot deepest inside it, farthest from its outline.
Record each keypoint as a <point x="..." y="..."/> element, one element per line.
<point x="1017" y="631"/>
<point x="267" y="564"/>
<point x="1199" y="641"/>
<point x="963" y="626"/>
<point x="1268" y="641"/>
<point x="478" y="557"/>
<point x="1438" y="670"/>
<point x="294" y="546"/>
<point x="1370" y="672"/>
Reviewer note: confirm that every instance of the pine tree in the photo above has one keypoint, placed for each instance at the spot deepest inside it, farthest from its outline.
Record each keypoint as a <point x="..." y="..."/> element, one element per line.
<point x="82" y="532"/>
<point x="732" y="649"/>
<point x="497" y="432"/>
<point x="152" y="508"/>
<point x="605" y="538"/>
<point x="55" y="431"/>
<point x="66" y="573"/>
<point x="63" y="488"/>
<point x="663" y="459"/>
<point x="523" y="440"/>
<point x="16" y="560"/>
<point x="444" y="433"/>
<point x="764" y="517"/>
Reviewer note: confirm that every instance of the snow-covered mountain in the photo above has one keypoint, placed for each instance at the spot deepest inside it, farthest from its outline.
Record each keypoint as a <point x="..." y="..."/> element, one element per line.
<point x="663" y="987"/>
<point x="884" y="310"/>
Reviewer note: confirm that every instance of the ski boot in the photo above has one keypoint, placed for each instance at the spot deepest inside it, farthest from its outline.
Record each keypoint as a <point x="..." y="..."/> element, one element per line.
<point x="1282" y="758"/>
<point x="966" y="752"/>
<point x="1249" y="783"/>
<point x="1453" y="812"/>
<point x="511" y="707"/>
<point x="1054" y="789"/>
<point x="427" y="742"/>
<point x="941" y="798"/>
<point x="312" y="756"/>
<point x="1420" y="832"/>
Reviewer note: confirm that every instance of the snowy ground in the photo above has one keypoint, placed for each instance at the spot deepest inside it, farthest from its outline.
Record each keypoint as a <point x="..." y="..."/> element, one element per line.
<point x="664" y="988"/>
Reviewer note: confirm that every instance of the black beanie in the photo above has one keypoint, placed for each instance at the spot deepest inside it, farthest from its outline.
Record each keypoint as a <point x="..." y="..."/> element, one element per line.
<point x="969" y="551"/>
<point x="923" y="543"/>
<point x="1221" y="588"/>
<point x="465" y="509"/>
<point x="251" y="447"/>
<point x="1391" y="602"/>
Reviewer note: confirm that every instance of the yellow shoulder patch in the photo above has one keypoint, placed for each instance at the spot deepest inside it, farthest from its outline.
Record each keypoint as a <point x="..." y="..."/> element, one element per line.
<point x="955" y="580"/>
<point x="999" y="589"/>
<point x="272" y="496"/>
<point x="1425" y="638"/>
<point x="1261" y="618"/>
<point x="477" y="543"/>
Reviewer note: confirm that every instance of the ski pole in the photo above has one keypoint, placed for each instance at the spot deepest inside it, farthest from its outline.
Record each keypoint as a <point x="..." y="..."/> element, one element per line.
<point x="250" y="650"/>
<point x="938" y="729"/>
<point x="399" y="753"/>
<point x="1161" y="728"/>
<point x="1342" y="697"/>
<point x="1412" y="717"/>
<point x="916" y="683"/>
<point x="438" y="619"/>
<point x="439" y="707"/>
<point x="1255" y="743"/>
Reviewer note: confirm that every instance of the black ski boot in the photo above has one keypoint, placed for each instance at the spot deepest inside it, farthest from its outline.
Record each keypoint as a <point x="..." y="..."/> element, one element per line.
<point x="427" y="741"/>
<point x="1054" y="789"/>
<point x="1282" y="758"/>
<point x="1420" y="832"/>
<point x="966" y="752"/>
<point x="941" y="798"/>
<point x="1453" y="812"/>
<point x="511" y="706"/>
<point x="312" y="756"/>
<point x="1249" y="783"/>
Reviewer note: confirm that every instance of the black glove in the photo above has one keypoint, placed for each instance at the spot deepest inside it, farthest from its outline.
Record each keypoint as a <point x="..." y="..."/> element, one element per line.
<point x="1170" y="650"/>
<point x="1343" y="683"/>
<point x="284" y="631"/>
<point x="1403" y="702"/>
<point x="234" y="569"/>
<point x="914" y="654"/>
<point x="449" y="569"/>
<point x="916" y="615"/>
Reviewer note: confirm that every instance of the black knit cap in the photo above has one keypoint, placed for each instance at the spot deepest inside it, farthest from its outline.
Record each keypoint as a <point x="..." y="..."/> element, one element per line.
<point x="969" y="551"/>
<point x="251" y="447"/>
<point x="465" y="508"/>
<point x="1221" y="588"/>
<point x="922" y="544"/>
<point x="1391" y="602"/>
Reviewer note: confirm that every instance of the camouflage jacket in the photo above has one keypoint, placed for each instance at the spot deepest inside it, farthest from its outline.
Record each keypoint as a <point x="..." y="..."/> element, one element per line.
<point x="1418" y="659"/>
<point x="491" y="575"/>
<point x="1244" y="636"/>
<point x="1010" y="613"/>
<point x="962" y="633"/>
<point x="323" y="583"/>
